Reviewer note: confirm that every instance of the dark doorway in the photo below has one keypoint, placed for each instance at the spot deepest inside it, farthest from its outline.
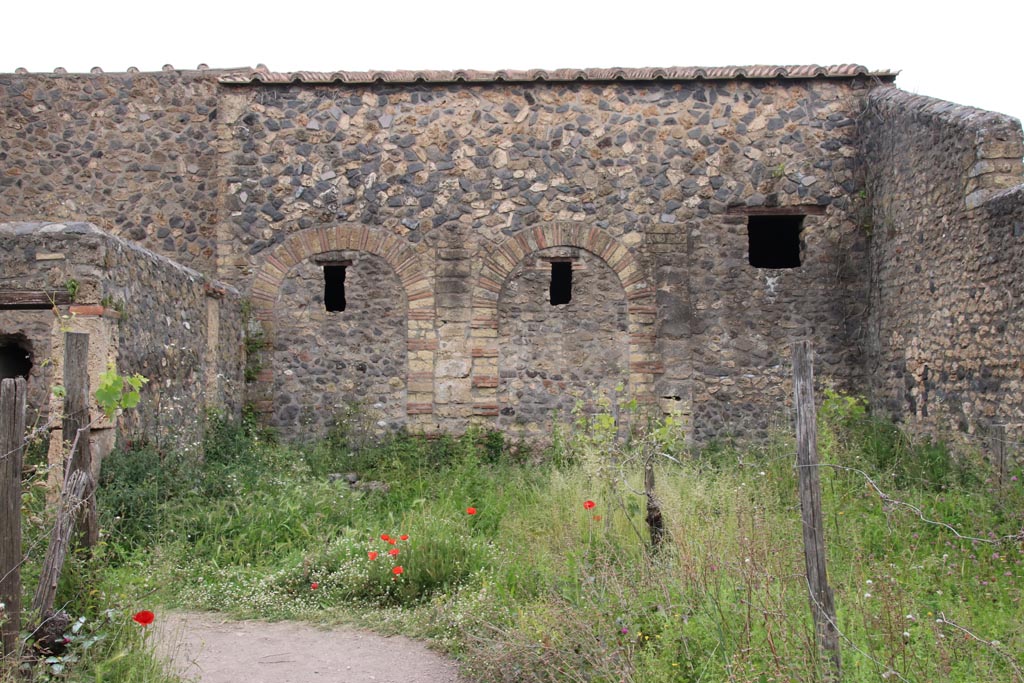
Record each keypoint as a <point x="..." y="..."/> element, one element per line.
<point x="15" y="356"/>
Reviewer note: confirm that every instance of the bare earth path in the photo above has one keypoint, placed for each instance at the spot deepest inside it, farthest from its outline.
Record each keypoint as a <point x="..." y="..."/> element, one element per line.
<point x="208" y="648"/>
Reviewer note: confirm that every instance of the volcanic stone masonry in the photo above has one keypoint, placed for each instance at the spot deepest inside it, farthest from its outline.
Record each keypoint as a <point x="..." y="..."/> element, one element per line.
<point x="513" y="248"/>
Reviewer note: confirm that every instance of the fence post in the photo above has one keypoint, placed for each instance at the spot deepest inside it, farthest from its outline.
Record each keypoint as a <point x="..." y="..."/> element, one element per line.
<point x="12" y="444"/>
<point x="823" y="608"/>
<point x="999" y="452"/>
<point x="76" y="430"/>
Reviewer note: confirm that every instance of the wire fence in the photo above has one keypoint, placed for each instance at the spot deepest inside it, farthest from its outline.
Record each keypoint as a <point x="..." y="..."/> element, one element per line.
<point x="988" y="444"/>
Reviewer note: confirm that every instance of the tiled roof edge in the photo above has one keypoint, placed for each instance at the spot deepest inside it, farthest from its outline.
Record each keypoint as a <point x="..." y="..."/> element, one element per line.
<point x="690" y="73"/>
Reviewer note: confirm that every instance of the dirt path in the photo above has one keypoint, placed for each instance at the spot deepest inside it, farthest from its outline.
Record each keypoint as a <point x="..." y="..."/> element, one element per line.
<point x="209" y="648"/>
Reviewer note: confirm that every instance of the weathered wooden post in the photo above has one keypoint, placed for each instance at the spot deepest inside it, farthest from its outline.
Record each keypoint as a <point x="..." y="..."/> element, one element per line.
<point x="76" y="430"/>
<point x="76" y="497"/>
<point x="823" y="608"/>
<point x="12" y="444"/>
<point x="999" y="453"/>
<point x="655" y="523"/>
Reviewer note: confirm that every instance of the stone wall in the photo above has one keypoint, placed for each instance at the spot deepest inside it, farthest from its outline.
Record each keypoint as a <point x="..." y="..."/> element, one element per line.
<point x="133" y="153"/>
<point x="563" y="358"/>
<point x="947" y="253"/>
<point x="456" y="186"/>
<point x="328" y="360"/>
<point x="446" y="202"/>
<point x="143" y="312"/>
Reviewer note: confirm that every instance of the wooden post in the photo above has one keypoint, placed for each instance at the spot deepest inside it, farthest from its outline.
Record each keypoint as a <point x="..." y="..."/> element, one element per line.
<point x="76" y="430"/>
<point x="71" y="500"/>
<point x="12" y="444"/>
<point x="823" y="608"/>
<point x="999" y="452"/>
<point x="655" y="523"/>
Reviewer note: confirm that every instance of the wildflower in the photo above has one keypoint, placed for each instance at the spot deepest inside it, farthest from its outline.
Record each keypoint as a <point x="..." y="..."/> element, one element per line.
<point x="470" y="511"/>
<point x="143" y="618"/>
<point x="392" y="541"/>
<point x="372" y="554"/>
<point x="393" y="552"/>
<point x="624" y="630"/>
<point x="404" y="537"/>
<point x="397" y="569"/>
<point x="589" y="505"/>
<point x="597" y="518"/>
<point x="385" y="537"/>
<point x="313" y="586"/>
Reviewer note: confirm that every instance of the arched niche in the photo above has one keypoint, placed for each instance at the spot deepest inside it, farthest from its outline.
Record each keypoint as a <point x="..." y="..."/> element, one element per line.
<point x="288" y="289"/>
<point x="342" y="320"/>
<point x="563" y="338"/>
<point x="644" y="361"/>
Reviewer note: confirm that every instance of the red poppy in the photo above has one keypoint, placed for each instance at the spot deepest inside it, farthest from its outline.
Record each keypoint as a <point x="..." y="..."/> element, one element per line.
<point x="589" y="505"/>
<point x="393" y="552"/>
<point x="404" y="537"/>
<point x="385" y="537"/>
<point x="372" y="554"/>
<point x="392" y="541"/>
<point x="144" y="618"/>
<point x="397" y="570"/>
<point x="470" y="511"/>
<point x="313" y="586"/>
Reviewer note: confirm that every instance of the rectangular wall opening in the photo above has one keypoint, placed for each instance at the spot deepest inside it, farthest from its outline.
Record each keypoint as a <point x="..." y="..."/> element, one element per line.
<point x="334" y="288"/>
<point x="774" y="241"/>
<point x="561" y="282"/>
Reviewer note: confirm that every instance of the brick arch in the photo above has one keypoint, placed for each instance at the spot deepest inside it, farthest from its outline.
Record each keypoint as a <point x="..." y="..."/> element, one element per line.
<point x="644" y="360"/>
<point x="406" y="263"/>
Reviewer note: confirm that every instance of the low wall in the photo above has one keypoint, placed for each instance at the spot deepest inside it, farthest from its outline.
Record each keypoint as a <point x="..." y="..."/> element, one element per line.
<point x="144" y="312"/>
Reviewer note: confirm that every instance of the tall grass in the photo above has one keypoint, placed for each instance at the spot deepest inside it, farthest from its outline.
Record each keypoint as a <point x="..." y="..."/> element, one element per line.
<point x="534" y="587"/>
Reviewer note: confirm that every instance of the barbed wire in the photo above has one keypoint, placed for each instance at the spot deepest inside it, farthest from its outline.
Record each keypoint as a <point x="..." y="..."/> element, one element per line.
<point x="849" y="641"/>
<point x="886" y="498"/>
<point x="32" y="435"/>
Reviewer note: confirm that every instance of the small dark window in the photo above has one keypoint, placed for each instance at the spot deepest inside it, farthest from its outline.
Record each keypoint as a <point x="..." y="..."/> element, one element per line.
<point x="774" y="241"/>
<point x="561" y="282"/>
<point x="334" y="288"/>
<point x="15" y="357"/>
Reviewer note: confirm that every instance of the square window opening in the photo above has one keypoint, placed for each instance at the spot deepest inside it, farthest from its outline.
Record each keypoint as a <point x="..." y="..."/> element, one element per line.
<point x="334" y="288"/>
<point x="560" y="291"/>
<point x="774" y="241"/>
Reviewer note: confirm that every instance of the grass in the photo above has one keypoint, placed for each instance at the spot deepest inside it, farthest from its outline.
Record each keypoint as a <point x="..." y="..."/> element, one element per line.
<point x="534" y="587"/>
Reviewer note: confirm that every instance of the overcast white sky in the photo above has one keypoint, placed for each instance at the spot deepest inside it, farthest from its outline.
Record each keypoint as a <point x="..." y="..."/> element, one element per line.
<point x="973" y="54"/>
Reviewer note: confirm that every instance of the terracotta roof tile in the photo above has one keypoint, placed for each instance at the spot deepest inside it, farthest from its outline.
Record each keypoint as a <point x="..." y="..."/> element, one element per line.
<point x="263" y="75"/>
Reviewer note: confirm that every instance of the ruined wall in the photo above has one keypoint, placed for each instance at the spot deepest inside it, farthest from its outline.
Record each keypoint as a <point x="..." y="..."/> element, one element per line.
<point x="946" y="260"/>
<point x="133" y="153"/>
<point x="469" y="180"/>
<point x="145" y="312"/>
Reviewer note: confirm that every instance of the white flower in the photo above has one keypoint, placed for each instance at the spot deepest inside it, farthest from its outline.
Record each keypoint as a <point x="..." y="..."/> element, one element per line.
<point x="867" y="595"/>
